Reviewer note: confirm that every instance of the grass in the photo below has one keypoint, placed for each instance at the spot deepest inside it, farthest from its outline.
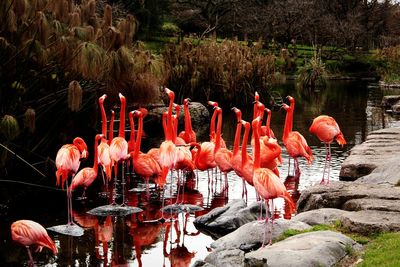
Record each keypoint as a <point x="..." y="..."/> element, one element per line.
<point x="382" y="251"/>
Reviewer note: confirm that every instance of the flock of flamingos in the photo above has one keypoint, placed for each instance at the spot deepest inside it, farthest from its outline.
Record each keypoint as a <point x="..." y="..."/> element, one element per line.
<point x="182" y="152"/>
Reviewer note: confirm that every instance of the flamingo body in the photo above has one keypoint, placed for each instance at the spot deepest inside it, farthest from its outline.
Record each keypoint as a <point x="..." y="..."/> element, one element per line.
<point x="327" y="129"/>
<point x="28" y="233"/>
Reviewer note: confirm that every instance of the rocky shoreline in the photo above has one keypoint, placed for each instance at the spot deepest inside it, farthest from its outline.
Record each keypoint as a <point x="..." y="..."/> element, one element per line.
<point x="368" y="204"/>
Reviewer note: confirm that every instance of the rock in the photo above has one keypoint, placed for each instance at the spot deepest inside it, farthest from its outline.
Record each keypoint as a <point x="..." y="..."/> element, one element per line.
<point x="250" y="236"/>
<point x="390" y="100"/>
<point x="337" y="194"/>
<point x="371" y="221"/>
<point x="224" y="220"/>
<point x="388" y="173"/>
<point x="320" y="216"/>
<point x="380" y="147"/>
<point x="321" y="248"/>
<point x="201" y="263"/>
<point x="396" y="108"/>
<point x="372" y="204"/>
<point x="198" y="113"/>
<point x="233" y="257"/>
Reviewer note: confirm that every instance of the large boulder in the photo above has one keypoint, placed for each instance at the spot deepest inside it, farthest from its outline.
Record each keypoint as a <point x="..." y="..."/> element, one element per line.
<point x="321" y="248"/>
<point x="320" y="216"/>
<point x="388" y="173"/>
<point x="250" y="236"/>
<point x="198" y="112"/>
<point x="224" y="220"/>
<point x="337" y="194"/>
<point x="390" y="100"/>
<point x="380" y="147"/>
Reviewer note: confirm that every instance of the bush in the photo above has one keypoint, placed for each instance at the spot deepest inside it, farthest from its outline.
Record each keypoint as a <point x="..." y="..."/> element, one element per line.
<point x="313" y="73"/>
<point x="170" y="29"/>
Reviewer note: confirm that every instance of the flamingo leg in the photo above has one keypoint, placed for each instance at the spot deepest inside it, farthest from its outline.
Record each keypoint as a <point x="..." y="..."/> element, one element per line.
<point x="31" y="263"/>
<point x="178" y="187"/>
<point x="266" y="221"/>
<point x="114" y="191"/>
<point x="288" y="170"/>
<point x="325" y="163"/>
<point x="329" y="161"/>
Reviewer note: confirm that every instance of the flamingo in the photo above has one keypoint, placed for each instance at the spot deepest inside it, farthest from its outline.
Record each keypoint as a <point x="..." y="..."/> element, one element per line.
<point x="246" y="160"/>
<point x="212" y="124"/>
<point x="295" y="143"/>
<point x="144" y="165"/>
<point x="67" y="163"/>
<point x="327" y="129"/>
<point x="29" y="233"/>
<point x="119" y="148"/>
<point x="177" y="140"/>
<point x="104" y="157"/>
<point x="236" y="160"/>
<point x="222" y="156"/>
<point x="86" y="176"/>
<point x="188" y="134"/>
<point x="266" y="182"/>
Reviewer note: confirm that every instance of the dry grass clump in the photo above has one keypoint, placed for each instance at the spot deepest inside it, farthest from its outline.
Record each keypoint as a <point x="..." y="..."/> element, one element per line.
<point x="212" y="70"/>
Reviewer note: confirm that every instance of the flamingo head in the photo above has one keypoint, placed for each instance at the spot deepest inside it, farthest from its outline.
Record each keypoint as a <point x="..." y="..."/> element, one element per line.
<point x="177" y="108"/>
<point x="137" y="113"/>
<point x="98" y="137"/>
<point x="186" y="101"/>
<point x="291" y="99"/>
<point x="144" y="111"/>
<point x="256" y="96"/>
<point x="213" y="103"/>
<point x="102" y="98"/>
<point x="218" y="110"/>
<point x="238" y="114"/>
<point x="122" y="98"/>
<point x="170" y="93"/>
<point x="82" y="147"/>
<point x="246" y="124"/>
<point x="268" y="111"/>
<point x="285" y="107"/>
<point x="256" y="122"/>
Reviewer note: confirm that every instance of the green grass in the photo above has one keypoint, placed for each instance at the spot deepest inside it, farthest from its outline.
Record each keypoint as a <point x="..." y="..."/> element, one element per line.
<point x="293" y="232"/>
<point x="383" y="251"/>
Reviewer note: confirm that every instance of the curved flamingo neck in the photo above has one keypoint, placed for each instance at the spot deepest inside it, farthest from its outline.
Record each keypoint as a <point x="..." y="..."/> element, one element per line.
<point x="268" y="124"/>
<point x="175" y="123"/>
<point x="96" y="152"/>
<point x="218" y="134"/>
<point x="169" y="120"/>
<point x="188" y="121"/>
<point x="111" y="135"/>
<point x="212" y="124"/>
<point x="165" y="126"/>
<point x="138" y="140"/>
<point x="288" y="123"/>
<point x="131" y="142"/>
<point x="255" y="126"/>
<point x="122" y="118"/>
<point x="103" y="119"/>
<point x="237" y="134"/>
<point x="244" y="142"/>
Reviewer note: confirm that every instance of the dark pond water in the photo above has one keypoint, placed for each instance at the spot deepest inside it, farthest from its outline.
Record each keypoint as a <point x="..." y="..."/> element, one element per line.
<point x="130" y="241"/>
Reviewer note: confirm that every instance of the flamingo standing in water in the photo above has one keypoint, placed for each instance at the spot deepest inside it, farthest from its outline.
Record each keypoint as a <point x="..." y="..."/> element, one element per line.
<point x="104" y="157"/>
<point x="266" y="182"/>
<point x="188" y="134"/>
<point x="86" y="176"/>
<point x="144" y="165"/>
<point x="212" y="124"/>
<point x="295" y="143"/>
<point x="222" y="155"/>
<point x="247" y="168"/>
<point x="119" y="149"/>
<point x="67" y="163"/>
<point x="29" y="233"/>
<point x="327" y="129"/>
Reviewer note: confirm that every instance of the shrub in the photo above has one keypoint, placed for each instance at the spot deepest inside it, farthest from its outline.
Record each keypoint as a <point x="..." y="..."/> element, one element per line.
<point x="313" y="73"/>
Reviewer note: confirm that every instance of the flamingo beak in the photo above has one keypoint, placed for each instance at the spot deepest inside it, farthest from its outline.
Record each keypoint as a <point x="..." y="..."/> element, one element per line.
<point x="85" y="154"/>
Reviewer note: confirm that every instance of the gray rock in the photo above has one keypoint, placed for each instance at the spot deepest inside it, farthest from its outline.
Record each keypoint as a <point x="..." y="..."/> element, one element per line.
<point x="396" y="108"/>
<point x="337" y="194"/>
<point x="371" y="221"/>
<point x="372" y="204"/>
<point x="320" y="216"/>
<point x="250" y="236"/>
<point x="389" y="100"/>
<point x="234" y="258"/>
<point x="321" y="248"/>
<point x="224" y="220"/>
<point x="380" y="147"/>
<point x="387" y="173"/>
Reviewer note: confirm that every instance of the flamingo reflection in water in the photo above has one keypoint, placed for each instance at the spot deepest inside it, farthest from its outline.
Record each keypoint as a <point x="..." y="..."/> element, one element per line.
<point x="178" y="254"/>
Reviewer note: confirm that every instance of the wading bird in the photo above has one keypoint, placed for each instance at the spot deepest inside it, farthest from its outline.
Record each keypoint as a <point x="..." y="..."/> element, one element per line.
<point x="327" y="129"/>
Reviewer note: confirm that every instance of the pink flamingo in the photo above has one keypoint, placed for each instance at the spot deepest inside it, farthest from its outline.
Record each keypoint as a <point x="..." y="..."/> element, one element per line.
<point x="188" y="134"/>
<point x="29" y="233"/>
<point x="104" y="157"/>
<point x="267" y="183"/>
<point x="295" y="143"/>
<point x="86" y="176"/>
<point x="67" y="163"/>
<point x="327" y="129"/>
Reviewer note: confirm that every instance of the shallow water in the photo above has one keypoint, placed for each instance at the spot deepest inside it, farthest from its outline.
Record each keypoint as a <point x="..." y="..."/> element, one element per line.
<point x="130" y="241"/>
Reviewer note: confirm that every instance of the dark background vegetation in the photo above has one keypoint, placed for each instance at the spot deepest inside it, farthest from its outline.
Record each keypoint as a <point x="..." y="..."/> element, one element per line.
<point x="205" y="49"/>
